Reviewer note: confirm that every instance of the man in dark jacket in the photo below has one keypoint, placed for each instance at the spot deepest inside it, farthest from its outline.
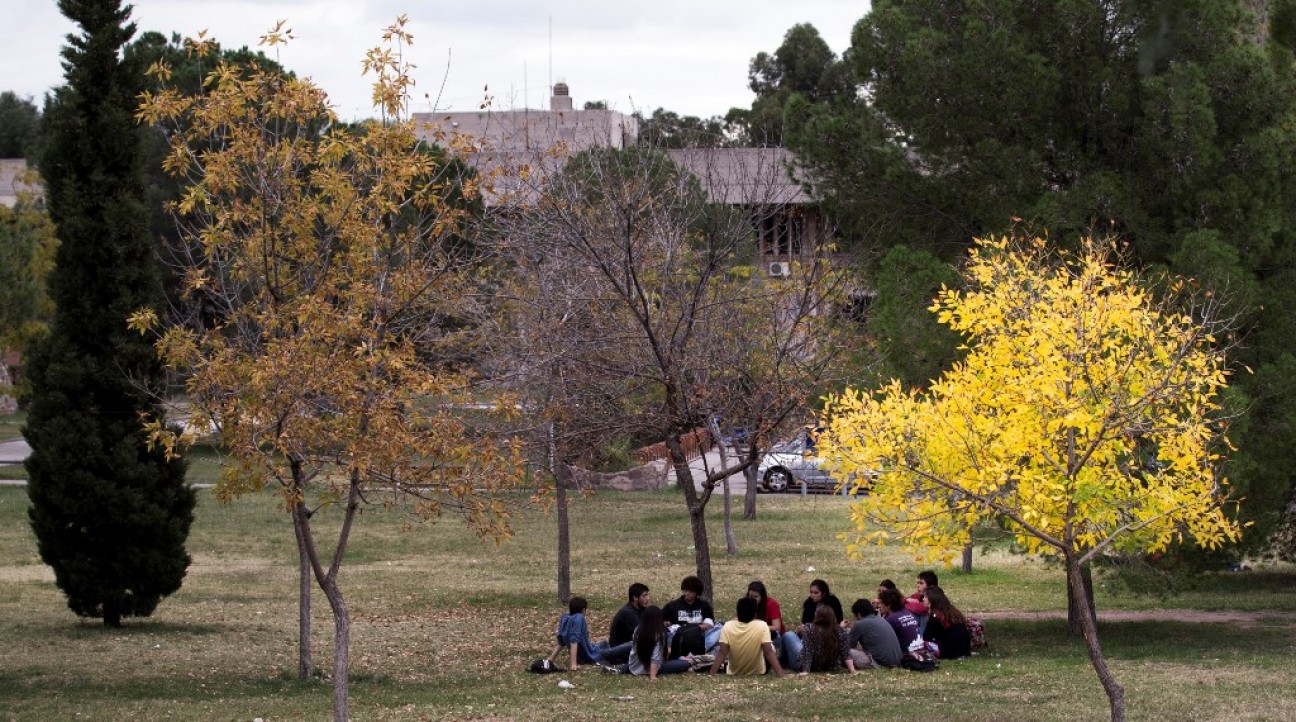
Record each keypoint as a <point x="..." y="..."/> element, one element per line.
<point x="617" y="650"/>
<point x="691" y="608"/>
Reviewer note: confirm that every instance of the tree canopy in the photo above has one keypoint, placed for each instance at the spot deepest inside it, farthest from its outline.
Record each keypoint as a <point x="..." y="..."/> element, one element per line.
<point x="1167" y="125"/>
<point x="19" y="125"/>
<point x="1086" y="418"/>
<point x="110" y="513"/>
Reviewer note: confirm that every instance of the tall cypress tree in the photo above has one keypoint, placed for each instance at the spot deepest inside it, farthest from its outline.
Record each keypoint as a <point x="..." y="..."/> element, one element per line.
<point x="110" y="516"/>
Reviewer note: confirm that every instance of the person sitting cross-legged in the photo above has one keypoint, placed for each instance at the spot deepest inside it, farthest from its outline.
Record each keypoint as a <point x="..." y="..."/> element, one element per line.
<point x="745" y="644"/>
<point x="691" y="609"/>
<point x="874" y="637"/>
<point x="891" y="607"/>
<point x="825" y="645"/>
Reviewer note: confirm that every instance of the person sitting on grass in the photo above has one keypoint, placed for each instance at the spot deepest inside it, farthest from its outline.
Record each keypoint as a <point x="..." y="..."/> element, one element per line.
<point x="691" y="608"/>
<point x="767" y="608"/>
<point x="891" y="607"/>
<point x="616" y="650"/>
<point x="825" y="645"/>
<point x="874" y="636"/>
<point x="745" y="643"/>
<point x="947" y="626"/>
<point x="573" y="635"/>
<point x="819" y="596"/>
<point x="916" y="603"/>
<point x="651" y="646"/>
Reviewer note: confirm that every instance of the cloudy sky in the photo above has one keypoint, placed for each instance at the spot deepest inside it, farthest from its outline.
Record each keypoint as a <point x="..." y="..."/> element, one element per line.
<point x="689" y="56"/>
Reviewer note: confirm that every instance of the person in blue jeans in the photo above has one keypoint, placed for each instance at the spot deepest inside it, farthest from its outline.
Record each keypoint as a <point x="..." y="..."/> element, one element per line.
<point x="573" y="635"/>
<point x="819" y="596"/>
<point x="691" y="608"/>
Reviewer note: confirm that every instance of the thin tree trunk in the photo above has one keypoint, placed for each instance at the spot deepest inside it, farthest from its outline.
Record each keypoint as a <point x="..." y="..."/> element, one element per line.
<point x="341" y="650"/>
<point x="560" y="478"/>
<point x="305" y="660"/>
<point x="967" y="558"/>
<point x="696" y="503"/>
<point x="731" y="543"/>
<point x="328" y="584"/>
<point x="1082" y="597"/>
<point x="1074" y="623"/>
<point x="749" y="496"/>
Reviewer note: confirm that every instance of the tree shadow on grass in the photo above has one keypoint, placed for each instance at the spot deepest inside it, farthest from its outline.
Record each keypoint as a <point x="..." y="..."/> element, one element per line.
<point x="1167" y="640"/>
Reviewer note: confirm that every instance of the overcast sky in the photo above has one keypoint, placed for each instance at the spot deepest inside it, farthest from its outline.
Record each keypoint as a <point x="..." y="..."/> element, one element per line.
<point x="689" y="56"/>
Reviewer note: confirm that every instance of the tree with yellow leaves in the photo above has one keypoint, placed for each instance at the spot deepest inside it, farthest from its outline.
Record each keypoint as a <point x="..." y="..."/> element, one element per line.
<point x="1085" y="418"/>
<point x="322" y="263"/>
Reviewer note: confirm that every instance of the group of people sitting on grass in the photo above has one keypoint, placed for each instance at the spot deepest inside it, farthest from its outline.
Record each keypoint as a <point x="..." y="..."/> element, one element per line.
<point x="889" y="631"/>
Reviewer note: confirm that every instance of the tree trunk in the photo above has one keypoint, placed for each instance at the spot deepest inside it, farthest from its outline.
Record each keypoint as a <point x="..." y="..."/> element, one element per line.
<point x="305" y="660"/>
<point x="1074" y="623"/>
<point x="328" y="584"/>
<point x="967" y="558"/>
<point x="696" y="503"/>
<point x="564" y="543"/>
<point x="731" y="543"/>
<point x="111" y="615"/>
<point x="749" y="497"/>
<point x="341" y="649"/>
<point x="1081" y="595"/>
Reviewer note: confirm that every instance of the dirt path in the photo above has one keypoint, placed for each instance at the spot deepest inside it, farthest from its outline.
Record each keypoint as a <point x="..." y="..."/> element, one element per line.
<point x="1190" y="616"/>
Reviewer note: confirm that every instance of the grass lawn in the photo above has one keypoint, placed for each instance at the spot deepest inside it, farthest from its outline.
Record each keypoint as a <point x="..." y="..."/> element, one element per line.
<point x="11" y="425"/>
<point x="444" y="626"/>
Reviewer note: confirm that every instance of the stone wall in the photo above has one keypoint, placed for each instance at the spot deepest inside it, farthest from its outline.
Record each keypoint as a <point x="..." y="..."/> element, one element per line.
<point x="646" y="477"/>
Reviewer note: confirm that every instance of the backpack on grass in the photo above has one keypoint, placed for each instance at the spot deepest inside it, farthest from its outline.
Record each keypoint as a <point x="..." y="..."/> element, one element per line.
<point x="544" y="666"/>
<point x="976" y="631"/>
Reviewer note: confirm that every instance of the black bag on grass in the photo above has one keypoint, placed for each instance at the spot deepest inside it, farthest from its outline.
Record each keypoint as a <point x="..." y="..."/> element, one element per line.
<point x="544" y="666"/>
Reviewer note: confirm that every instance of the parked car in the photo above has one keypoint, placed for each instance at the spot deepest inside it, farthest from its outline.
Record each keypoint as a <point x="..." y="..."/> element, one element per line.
<point x="794" y="464"/>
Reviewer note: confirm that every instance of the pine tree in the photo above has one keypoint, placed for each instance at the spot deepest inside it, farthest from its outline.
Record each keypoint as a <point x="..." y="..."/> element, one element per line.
<point x="110" y="516"/>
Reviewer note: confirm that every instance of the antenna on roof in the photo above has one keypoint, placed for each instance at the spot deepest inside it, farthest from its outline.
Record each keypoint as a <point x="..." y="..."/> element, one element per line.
<point x="550" y="52"/>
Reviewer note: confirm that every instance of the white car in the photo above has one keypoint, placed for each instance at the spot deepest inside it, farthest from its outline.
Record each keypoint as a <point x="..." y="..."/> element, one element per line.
<point x="794" y="464"/>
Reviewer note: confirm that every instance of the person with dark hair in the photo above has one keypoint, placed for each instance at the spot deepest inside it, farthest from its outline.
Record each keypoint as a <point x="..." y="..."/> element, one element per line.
<point x="947" y="626"/>
<point x="825" y="645"/>
<point x="891" y="608"/>
<point x="874" y="636"/>
<point x="883" y="585"/>
<point x="767" y="608"/>
<point x="649" y="650"/>
<point x="617" y="648"/>
<point x="745" y="643"/>
<point x="691" y="609"/>
<point x="916" y="603"/>
<point x="819" y="595"/>
<point x="573" y="635"/>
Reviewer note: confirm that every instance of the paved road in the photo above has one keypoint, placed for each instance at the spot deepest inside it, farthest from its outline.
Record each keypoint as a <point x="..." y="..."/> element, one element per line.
<point x="14" y="452"/>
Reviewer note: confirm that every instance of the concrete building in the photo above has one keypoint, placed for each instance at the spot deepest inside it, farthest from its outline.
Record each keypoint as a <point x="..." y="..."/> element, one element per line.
<point x="785" y="219"/>
<point x="535" y="130"/>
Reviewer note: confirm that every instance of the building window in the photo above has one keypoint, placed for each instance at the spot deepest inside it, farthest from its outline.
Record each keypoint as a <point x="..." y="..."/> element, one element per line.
<point x="779" y="232"/>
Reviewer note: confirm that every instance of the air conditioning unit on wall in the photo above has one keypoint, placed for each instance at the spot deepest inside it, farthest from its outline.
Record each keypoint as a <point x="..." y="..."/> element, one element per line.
<point x="779" y="269"/>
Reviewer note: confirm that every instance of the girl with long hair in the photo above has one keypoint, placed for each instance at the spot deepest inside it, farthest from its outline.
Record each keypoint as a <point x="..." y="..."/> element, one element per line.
<point x="825" y="645"/>
<point x="947" y="626"/>
<point x="650" y="647"/>
<point x="767" y="608"/>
